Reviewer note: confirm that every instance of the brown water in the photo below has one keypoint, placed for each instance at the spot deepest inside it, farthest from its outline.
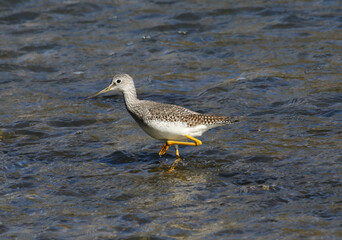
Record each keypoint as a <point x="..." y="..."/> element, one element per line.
<point x="81" y="169"/>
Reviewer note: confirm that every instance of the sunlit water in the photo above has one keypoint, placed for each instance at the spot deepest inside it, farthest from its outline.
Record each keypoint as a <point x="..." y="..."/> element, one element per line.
<point x="82" y="169"/>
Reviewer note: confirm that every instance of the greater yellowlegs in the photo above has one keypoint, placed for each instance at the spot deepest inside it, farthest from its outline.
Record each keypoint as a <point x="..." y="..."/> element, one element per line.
<point x="162" y="121"/>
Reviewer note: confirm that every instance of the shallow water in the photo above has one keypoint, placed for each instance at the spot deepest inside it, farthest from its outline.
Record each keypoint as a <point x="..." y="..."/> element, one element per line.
<point x="81" y="169"/>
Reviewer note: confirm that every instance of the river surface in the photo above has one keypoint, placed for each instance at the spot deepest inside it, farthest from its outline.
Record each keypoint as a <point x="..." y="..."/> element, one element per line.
<point x="72" y="168"/>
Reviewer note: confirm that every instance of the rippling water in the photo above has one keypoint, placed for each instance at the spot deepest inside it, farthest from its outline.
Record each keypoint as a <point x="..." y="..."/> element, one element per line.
<point x="81" y="169"/>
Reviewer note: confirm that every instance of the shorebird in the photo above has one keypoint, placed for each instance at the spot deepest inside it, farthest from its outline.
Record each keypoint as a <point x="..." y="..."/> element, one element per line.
<point x="170" y="123"/>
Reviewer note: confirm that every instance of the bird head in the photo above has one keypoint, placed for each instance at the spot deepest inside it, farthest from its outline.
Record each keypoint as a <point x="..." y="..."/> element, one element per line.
<point x="120" y="82"/>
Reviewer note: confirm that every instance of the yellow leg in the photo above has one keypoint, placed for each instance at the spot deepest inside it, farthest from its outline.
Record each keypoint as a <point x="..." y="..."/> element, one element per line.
<point x="170" y="143"/>
<point x="177" y="152"/>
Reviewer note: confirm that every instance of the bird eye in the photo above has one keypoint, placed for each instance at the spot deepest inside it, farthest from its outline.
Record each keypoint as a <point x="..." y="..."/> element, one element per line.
<point x="118" y="81"/>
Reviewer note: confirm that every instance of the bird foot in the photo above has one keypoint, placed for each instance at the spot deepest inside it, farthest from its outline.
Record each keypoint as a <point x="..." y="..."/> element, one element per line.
<point x="164" y="149"/>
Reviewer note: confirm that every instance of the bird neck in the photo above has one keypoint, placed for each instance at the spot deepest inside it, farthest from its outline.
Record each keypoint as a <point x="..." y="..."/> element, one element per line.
<point x="130" y="97"/>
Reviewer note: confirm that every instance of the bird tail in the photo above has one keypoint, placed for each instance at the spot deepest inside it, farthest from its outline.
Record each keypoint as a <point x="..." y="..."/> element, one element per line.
<point x="230" y="120"/>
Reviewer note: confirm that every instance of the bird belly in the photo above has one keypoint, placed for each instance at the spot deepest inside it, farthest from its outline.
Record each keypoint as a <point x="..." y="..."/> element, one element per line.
<point x="171" y="130"/>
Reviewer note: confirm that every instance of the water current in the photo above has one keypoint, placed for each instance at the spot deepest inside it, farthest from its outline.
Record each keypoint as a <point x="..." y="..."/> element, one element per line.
<point x="72" y="168"/>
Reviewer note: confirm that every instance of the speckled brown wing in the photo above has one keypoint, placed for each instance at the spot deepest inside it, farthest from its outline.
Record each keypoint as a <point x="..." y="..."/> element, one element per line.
<point x="210" y="120"/>
<point x="173" y="113"/>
